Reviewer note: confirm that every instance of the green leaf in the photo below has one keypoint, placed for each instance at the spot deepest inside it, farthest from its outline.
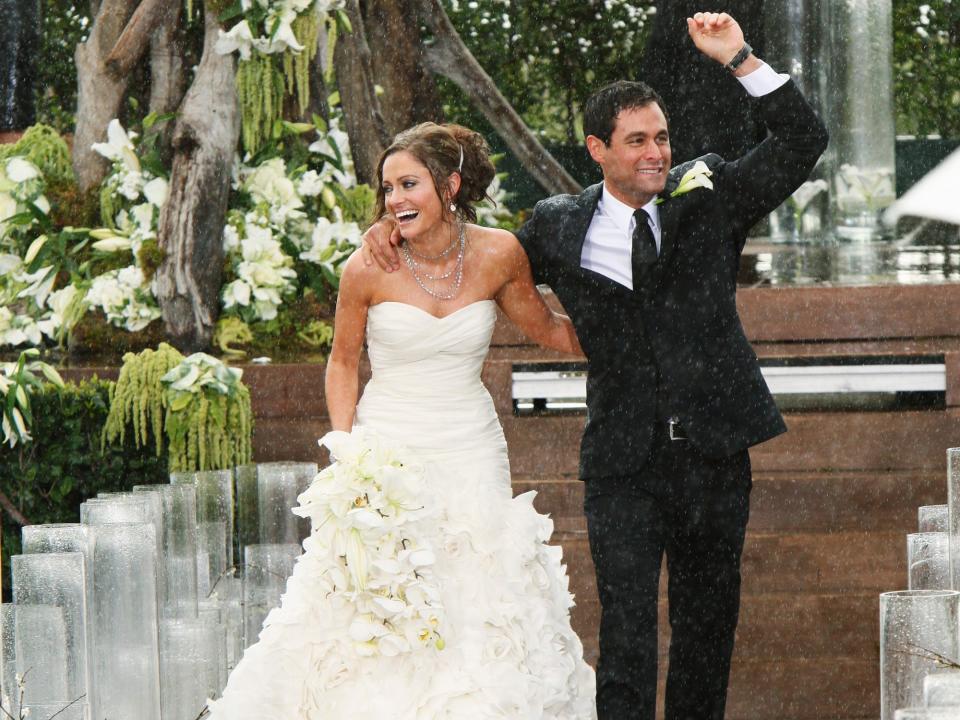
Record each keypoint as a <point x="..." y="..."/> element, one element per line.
<point x="233" y="11"/>
<point x="181" y="402"/>
<point x="343" y="20"/>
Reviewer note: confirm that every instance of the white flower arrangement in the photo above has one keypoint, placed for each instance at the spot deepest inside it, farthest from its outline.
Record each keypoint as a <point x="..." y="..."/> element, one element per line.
<point x="263" y="243"/>
<point x="366" y="511"/>
<point x="200" y="372"/>
<point x="27" y="304"/>
<point x="264" y="272"/>
<point x="267" y="26"/>
<point x="125" y="297"/>
<point x="21" y="186"/>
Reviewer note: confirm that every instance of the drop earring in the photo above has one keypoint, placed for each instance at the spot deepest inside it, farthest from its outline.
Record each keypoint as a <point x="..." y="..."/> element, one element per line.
<point x="453" y="208"/>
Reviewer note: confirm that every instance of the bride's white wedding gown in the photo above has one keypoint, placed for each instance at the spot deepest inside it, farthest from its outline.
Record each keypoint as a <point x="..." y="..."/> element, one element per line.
<point x="507" y="648"/>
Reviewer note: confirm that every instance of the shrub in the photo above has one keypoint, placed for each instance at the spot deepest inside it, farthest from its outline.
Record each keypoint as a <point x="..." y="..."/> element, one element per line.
<point x="48" y="478"/>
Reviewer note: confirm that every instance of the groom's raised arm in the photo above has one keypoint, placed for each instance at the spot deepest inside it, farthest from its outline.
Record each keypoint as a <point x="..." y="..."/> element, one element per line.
<point x="755" y="184"/>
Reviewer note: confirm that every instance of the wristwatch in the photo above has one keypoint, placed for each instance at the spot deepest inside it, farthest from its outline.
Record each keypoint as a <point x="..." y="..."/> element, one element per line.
<point x="740" y="57"/>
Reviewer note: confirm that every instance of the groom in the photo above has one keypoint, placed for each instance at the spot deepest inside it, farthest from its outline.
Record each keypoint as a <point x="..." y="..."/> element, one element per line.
<point x="645" y="264"/>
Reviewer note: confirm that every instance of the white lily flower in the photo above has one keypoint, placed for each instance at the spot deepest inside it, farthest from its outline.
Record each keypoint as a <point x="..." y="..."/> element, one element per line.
<point x="696" y="177"/>
<point x="310" y="184"/>
<point x="236" y="293"/>
<point x="238" y="39"/>
<point x="34" y="249"/>
<point x="114" y="243"/>
<point x="21" y="170"/>
<point x="119" y="146"/>
<point x="156" y="191"/>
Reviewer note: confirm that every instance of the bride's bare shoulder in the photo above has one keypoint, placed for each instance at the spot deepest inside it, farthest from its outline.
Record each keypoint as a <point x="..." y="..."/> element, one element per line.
<point x="359" y="279"/>
<point x="496" y="243"/>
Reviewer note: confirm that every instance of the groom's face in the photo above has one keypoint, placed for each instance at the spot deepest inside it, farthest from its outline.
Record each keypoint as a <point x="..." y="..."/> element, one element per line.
<point x="636" y="162"/>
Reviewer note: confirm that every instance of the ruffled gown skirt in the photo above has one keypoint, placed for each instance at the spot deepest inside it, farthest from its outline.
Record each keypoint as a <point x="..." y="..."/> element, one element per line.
<point x="426" y="590"/>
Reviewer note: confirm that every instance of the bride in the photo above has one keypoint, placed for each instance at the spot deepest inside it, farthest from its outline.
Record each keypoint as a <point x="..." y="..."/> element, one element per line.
<point x="426" y="590"/>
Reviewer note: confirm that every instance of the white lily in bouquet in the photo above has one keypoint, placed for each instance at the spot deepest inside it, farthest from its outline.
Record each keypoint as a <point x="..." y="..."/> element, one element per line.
<point x="366" y="510"/>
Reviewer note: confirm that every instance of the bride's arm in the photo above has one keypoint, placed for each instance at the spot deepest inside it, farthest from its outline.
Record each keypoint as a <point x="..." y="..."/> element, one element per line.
<point x="342" y="382"/>
<point x="525" y="306"/>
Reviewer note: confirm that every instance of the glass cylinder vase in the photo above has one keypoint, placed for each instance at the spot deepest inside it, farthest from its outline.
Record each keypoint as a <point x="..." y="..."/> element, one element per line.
<point x="942" y="689"/>
<point x="928" y="561"/>
<point x="859" y="58"/>
<point x="58" y="579"/>
<point x="918" y="628"/>
<point x="266" y="569"/>
<point x="933" y="518"/>
<point x="795" y="45"/>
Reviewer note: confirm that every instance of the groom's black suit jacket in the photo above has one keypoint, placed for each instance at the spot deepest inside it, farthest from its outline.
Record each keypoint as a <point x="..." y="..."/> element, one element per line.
<point x="674" y="346"/>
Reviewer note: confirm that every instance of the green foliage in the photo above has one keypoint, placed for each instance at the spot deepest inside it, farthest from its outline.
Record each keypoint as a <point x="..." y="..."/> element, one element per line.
<point x="65" y="24"/>
<point x="139" y="401"/>
<point x="231" y="331"/>
<point x="43" y="146"/>
<point x="301" y="331"/>
<point x="47" y="479"/>
<point x="927" y="67"/>
<point x="357" y="203"/>
<point x="547" y="57"/>
<point x="150" y="257"/>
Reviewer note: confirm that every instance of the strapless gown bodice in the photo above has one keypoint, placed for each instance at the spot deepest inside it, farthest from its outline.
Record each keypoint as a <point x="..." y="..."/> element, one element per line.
<point x="426" y="371"/>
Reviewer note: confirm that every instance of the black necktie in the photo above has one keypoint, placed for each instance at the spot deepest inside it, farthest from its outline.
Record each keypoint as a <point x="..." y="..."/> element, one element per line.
<point x="644" y="251"/>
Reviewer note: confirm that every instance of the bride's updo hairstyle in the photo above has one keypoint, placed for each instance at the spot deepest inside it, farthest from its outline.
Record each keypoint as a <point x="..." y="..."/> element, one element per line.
<point x="438" y="148"/>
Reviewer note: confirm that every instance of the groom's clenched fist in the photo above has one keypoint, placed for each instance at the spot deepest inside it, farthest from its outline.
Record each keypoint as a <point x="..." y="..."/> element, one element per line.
<point x="718" y="36"/>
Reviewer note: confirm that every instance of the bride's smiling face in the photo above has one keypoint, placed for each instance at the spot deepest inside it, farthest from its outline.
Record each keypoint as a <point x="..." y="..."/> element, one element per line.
<point x="410" y="195"/>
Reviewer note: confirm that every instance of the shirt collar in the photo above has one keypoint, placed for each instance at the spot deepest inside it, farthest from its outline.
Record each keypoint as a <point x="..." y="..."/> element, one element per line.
<point x="622" y="214"/>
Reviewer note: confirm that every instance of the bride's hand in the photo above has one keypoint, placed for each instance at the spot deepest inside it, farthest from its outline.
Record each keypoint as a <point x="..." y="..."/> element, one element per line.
<point x="380" y="244"/>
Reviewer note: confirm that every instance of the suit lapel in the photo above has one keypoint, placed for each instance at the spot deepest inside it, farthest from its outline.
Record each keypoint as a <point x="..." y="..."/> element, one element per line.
<point x="669" y="223"/>
<point x="574" y="234"/>
<point x="574" y="231"/>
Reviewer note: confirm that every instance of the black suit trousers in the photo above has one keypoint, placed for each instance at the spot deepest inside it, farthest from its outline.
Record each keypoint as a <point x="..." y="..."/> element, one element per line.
<point x="693" y="509"/>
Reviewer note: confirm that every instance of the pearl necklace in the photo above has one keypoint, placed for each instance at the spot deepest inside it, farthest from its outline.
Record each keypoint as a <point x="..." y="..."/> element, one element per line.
<point x="456" y="271"/>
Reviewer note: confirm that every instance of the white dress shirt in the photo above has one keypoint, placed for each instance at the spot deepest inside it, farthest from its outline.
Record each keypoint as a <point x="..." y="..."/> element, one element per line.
<point x="609" y="241"/>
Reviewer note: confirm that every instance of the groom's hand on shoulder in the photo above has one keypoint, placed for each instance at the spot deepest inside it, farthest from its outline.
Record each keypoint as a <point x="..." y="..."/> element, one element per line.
<point x="716" y="35"/>
<point x="379" y="244"/>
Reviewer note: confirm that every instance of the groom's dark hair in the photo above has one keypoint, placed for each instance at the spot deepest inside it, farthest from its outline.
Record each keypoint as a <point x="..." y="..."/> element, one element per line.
<point x="601" y="109"/>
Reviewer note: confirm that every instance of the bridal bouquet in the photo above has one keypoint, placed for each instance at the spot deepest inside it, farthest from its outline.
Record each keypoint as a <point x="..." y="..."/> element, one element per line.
<point x="366" y="510"/>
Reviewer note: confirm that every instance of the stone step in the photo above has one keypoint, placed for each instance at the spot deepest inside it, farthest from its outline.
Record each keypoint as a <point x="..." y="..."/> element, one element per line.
<point x="785" y="502"/>
<point x="812" y="564"/>
<point x="848" y="441"/>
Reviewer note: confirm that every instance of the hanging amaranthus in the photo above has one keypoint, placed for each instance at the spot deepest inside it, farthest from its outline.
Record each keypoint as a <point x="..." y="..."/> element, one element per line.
<point x="296" y="67"/>
<point x="260" y="87"/>
<point x="209" y="423"/>
<point x="277" y="42"/>
<point x="139" y="399"/>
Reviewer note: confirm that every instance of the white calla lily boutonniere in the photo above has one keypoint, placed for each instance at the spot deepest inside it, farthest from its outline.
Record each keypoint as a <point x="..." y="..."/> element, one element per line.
<point x="696" y="177"/>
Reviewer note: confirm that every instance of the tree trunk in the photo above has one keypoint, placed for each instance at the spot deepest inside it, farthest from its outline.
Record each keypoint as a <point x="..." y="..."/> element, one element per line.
<point x="99" y="94"/>
<point x="409" y="90"/>
<point x="191" y="224"/>
<point x="448" y="56"/>
<point x="167" y="76"/>
<point x="361" y="106"/>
